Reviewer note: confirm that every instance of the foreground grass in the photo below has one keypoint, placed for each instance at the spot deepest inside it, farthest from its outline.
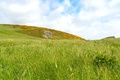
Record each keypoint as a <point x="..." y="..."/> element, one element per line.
<point x="38" y="59"/>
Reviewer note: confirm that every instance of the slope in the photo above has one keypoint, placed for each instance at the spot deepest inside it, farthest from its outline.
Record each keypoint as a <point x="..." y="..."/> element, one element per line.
<point x="37" y="32"/>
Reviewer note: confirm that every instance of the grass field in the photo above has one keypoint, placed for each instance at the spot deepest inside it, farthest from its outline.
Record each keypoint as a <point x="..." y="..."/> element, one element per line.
<point x="25" y="57"/>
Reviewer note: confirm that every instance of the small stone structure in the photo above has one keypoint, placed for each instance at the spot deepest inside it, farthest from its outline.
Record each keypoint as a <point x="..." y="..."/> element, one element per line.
<point x="47" y="34"/>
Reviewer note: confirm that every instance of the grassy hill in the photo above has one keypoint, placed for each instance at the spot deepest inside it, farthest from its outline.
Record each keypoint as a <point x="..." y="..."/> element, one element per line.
<point x="28" y="56"/>
<point x="37" y="32"/>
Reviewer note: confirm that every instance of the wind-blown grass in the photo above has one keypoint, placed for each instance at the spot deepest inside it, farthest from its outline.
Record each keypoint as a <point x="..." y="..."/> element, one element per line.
<point x="57" y="60"/>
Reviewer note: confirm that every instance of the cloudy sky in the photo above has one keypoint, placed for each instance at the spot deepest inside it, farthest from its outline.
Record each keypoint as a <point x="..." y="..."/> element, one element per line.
<point x="90" y="19"/>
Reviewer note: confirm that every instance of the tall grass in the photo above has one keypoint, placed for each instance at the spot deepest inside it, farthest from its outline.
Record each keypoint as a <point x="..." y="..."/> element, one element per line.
<point x="34" y="59"/>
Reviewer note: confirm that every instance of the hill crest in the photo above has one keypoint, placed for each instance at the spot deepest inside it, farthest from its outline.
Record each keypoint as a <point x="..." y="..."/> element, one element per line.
<point x="42" y="32"/>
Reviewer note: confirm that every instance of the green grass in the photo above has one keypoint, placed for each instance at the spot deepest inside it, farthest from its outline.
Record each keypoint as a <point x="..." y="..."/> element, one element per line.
<point x="40" y="32"/>
<point x="24" y="57"/>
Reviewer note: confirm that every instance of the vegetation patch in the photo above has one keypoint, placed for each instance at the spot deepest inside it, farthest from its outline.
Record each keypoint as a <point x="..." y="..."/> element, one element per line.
<point x="104" y="61"/>
<point x="43" y="32"/>
<point x="104" y="67"/>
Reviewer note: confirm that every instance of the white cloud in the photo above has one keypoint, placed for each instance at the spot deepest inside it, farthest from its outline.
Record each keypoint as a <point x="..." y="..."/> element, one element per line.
<point x="67" y="3"/>
<point x="21" y="13"/>
<point x="91" y="19"/>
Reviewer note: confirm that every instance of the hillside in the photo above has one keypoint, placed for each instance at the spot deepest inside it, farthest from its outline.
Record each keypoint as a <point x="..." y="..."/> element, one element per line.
<point x="38" y="32"/>
<point x="25" y="55"/>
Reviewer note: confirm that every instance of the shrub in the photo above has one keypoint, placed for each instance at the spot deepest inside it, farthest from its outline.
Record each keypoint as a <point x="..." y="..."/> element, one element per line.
<point x="104" y="61"/>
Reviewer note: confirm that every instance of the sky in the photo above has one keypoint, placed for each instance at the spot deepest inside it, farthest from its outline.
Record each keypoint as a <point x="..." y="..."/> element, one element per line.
<point x="90" y="19"/>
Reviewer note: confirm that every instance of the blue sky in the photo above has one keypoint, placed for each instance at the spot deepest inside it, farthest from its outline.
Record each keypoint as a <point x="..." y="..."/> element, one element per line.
<point x="90" y="19"/>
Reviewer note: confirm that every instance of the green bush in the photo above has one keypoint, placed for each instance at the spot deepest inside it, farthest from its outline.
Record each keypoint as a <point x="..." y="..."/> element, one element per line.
<point x="104" y="61"/>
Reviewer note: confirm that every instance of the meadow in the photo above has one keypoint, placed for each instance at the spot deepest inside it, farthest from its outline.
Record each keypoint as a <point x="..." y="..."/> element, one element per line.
<point x="25" y="57"/>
